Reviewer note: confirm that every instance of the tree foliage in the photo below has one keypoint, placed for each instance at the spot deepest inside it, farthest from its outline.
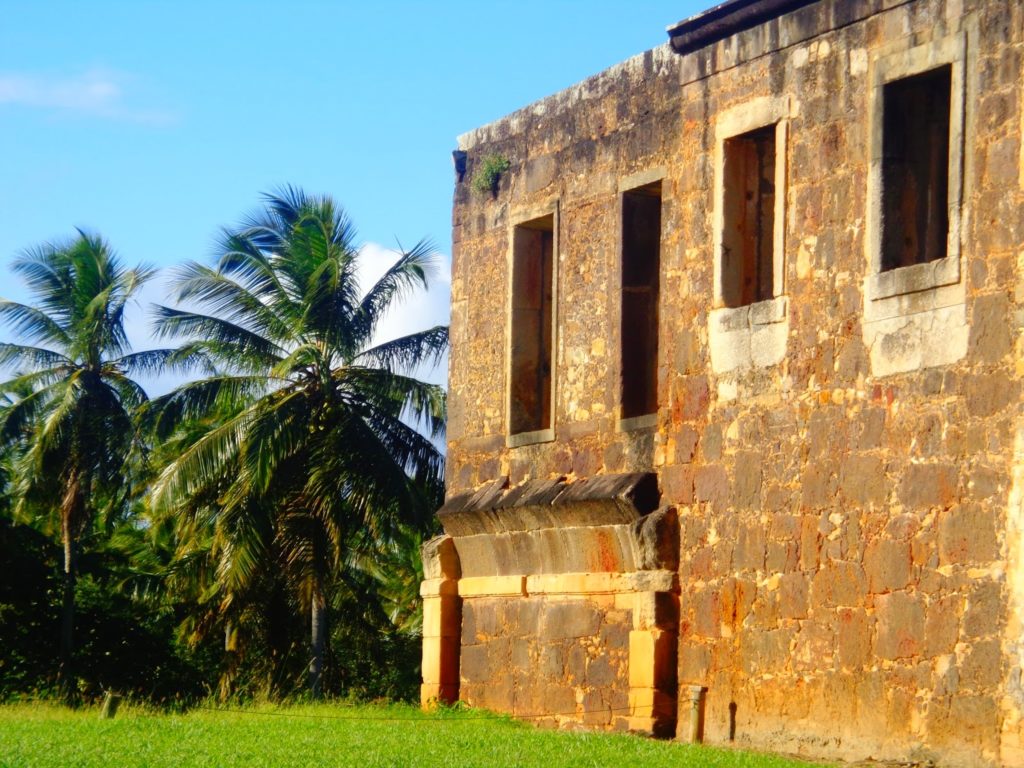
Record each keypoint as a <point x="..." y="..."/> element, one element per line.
<point x="253" y="531"/>
<point x="68" y="422"/>
<point x="309" y="454"/>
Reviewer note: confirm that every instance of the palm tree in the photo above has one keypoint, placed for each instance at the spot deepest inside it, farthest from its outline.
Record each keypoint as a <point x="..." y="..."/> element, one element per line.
<point x="69" y="415"/>
<point x="322" y="453"/>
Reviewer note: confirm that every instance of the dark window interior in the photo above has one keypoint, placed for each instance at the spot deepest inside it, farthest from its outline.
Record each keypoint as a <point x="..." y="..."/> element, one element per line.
<point x="749" y="218"/>
<point x="532" y="325"/>
<point x="915" y="168"/>
<point x="641" y="247"/>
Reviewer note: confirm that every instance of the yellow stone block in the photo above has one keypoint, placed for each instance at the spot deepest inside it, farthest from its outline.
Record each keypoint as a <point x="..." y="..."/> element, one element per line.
<point x="651" y="703"/>
<point x="431" y="667"/>
<point x="625" y="601"/>
<point x="435" y="587"/>
<point x="641" y="702"/>
<point x="440" y="663"/>
<point x="432" y="694"/>
<point x="431" y="616"/>
<point x="492" y="586"/>
<point x="442" y="617"/>
<point x="574" y="583"/>
<point x="651" y="658"/>
<point x="641" y="724"/>
<point x="641" y="659"/>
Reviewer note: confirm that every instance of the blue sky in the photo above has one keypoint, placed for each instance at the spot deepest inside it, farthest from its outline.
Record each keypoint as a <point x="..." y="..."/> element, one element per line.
<point x="156" y="124"/>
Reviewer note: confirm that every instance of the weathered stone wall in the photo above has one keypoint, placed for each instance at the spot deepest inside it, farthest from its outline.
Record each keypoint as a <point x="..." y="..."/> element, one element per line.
<point x="850" y="504"/>
<point x="551" y="661"/>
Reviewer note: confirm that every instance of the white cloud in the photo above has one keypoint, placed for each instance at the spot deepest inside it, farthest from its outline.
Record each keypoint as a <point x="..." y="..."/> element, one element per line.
<point x="99" y="93"/>
<point x="416" y="312"/>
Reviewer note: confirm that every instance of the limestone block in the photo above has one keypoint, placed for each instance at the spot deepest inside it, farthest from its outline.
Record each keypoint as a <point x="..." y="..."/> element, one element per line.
<point x="967" y="535"/>
<point x="440" y="661"/>
<point x="929" y="485"/>
<point x="656" y="540"/>
<point x="484" y="586"/>
<point x="435" y="587"/>
<point x="656" y="610"/>
<point x="990" y="339"/>
<point x="540" y="172"/>
<point x="901" y="621"/>
<point x="441" y="617"/>
<point x="652" y="659"/>
<point x="440" y="559"/>
<point x="888" y="565"/>
<point x="474" y="666"/>
<point x="752" y="336"/>
<point x="920" y="338"/>
<point x="571" y="619"/>
<point x="853" y="633"/>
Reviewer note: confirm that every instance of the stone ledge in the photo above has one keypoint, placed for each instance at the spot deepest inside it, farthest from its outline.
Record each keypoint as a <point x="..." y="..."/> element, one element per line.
<point x="912" y="279"/>
<point x="600" y="500"/>
<point x="530" y="438"/>
<point x="776" y="34"/>
<point x="752" y="336"/>
<point x="648" y="421"/>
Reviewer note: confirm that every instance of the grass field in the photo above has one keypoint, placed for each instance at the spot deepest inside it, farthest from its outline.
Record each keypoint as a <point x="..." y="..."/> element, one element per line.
<point x="39" y="736"/>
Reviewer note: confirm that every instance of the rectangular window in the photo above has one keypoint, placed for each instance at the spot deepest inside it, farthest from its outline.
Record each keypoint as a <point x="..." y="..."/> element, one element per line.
<point x="641" y="264"/>
<point x="915" y="168"/>
<point x="532" y="325"/>
<point x="748" y="235"/>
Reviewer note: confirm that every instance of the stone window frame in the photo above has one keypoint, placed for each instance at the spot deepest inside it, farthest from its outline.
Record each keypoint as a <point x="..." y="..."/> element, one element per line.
<point x="516" y="218"/>
<point x="761" y="112"/>
<point x="733" y="329"/>
<point x="647" y="421"/>
<point x="885" y="290"/>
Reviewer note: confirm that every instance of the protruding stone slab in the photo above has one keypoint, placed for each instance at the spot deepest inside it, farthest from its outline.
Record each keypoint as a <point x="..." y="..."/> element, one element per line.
<point x="534" y="505"/>
<point x="656" y="540"/>
<point x="440" y="559"/>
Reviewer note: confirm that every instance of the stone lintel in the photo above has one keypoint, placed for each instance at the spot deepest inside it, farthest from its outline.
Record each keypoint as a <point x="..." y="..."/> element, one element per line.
<point x="492" y="586"/>
<point x="645" y="582"/>
<point x="602" y="583"/>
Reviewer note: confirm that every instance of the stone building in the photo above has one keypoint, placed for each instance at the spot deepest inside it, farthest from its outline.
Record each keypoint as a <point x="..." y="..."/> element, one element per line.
<point x="735" y="390"/>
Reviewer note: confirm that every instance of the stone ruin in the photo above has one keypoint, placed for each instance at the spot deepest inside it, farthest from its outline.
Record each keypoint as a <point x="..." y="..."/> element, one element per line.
<point x="736" y="445"/>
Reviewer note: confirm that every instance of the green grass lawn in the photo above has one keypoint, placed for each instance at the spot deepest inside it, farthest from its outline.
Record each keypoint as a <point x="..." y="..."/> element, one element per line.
<point x="40" y="735"/>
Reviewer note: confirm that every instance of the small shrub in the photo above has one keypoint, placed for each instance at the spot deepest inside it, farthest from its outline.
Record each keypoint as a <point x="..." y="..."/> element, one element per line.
<point x="489" y="173"/>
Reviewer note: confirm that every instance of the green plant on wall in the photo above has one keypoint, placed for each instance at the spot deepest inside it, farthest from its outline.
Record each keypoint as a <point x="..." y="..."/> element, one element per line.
<point x="489" y="173"/>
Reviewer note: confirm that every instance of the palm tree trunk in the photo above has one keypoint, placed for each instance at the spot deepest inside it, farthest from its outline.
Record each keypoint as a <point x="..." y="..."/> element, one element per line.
<point x="318" y="642"/>
<point x="65" y="672"/>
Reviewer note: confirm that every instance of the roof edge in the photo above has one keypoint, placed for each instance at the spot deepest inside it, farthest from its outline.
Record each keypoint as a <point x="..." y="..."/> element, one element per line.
<point x="726" y="19"/>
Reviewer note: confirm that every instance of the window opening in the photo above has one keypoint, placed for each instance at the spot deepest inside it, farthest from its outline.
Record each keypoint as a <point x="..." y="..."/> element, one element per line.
<point x="641" y="250"/>
<point x="532" y="325"/>
<point x="915" y="168"/>
<point x="748" y="235"/>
